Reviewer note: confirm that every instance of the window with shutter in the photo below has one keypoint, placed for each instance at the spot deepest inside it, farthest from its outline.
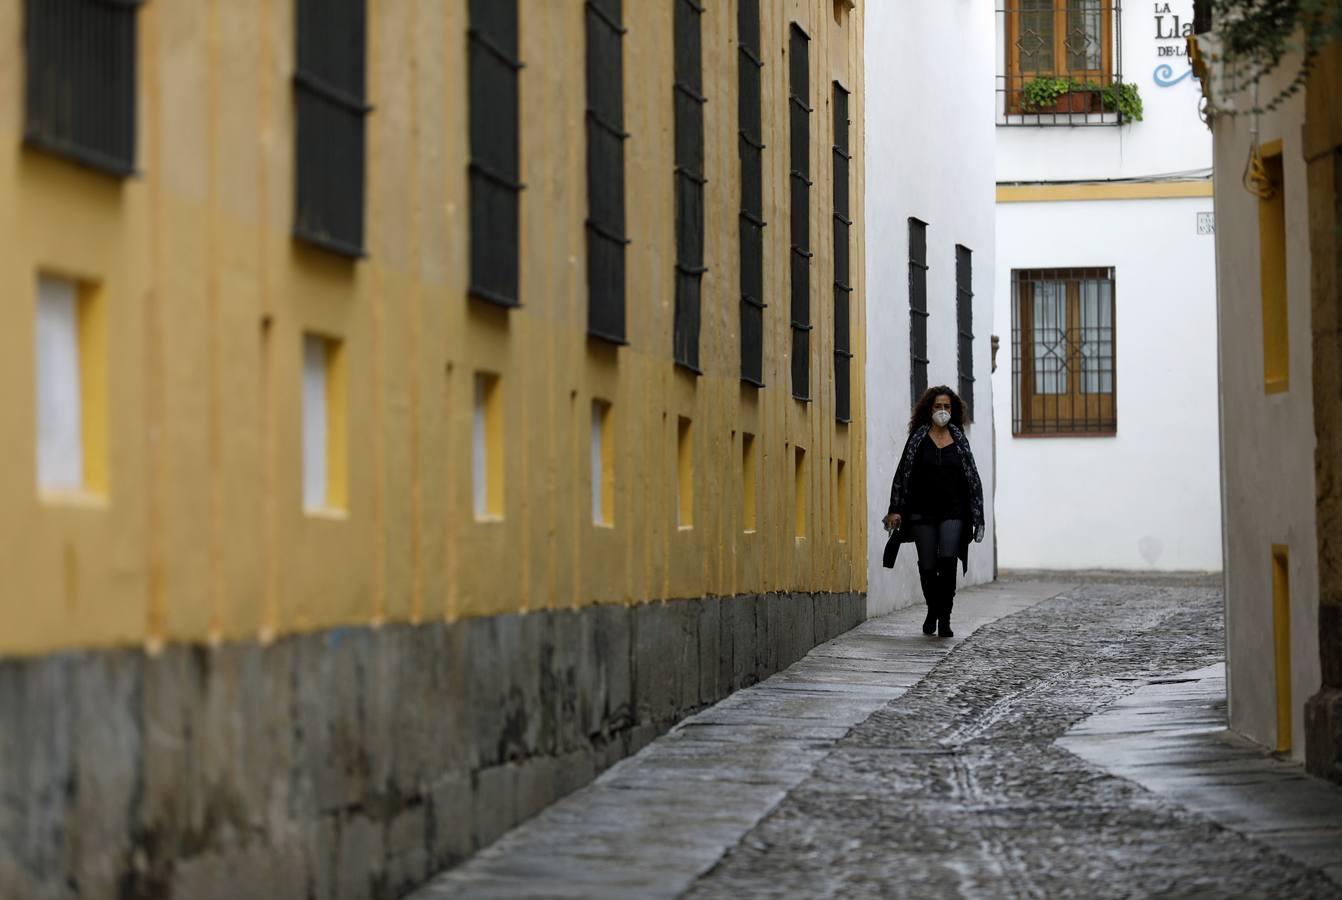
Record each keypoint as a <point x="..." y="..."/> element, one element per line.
<point x="917" y="309"/>
<point x="1062" y="352"/>
<point x="842" y="287"/>
<point x="799" y="80"/>
<point x="964" y="324"/>
<point x="329" y="93"/>
<point x="1071" y="43"/>
<point x="80" y="72"/>
<point x="605" y="171"/>
<point x="750" y="132"/>
<point x="495" y="165"/>
<point x="688" y="99"/>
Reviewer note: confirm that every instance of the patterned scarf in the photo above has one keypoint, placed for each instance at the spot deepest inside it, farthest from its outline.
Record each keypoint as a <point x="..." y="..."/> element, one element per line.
<point x="899" y="491"/>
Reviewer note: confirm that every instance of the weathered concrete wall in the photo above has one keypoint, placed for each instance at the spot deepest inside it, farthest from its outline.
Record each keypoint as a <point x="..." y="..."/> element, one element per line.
<point x="1267" y="439"/>
<point x="352" y="762"/>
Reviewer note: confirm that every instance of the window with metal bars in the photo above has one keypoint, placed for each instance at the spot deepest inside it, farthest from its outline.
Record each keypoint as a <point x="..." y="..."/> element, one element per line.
<point x="688" y="98"/>
<point x="605" y="170"/>
<point x="799" y="81"/>
<point x="329" y="93"/>
<point x="842" y="288"/>
<point x="79" y="58"/>
<point x="495" y="170"/>
<point x="964" y="326"/>
<point x="1062" y="352"/>
<point x="750" y="143"/>
<point x="917" y="309"/>
<point x="1073" y="45"/>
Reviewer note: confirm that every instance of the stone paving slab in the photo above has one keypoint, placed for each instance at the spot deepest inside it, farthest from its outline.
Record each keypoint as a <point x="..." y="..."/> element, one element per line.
<point x="1170" y="737"/>
<point x="650" y="826"/>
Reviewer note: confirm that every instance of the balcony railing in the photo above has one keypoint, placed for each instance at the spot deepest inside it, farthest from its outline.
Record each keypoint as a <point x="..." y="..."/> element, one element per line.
<point x="1060" y="62"/>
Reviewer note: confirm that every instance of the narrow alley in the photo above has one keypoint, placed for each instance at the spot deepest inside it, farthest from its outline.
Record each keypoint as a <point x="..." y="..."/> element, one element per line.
<point x="889" y="764"/>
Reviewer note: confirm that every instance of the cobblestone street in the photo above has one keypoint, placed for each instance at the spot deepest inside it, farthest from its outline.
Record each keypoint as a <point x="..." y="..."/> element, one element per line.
<point x="955" y="785"/>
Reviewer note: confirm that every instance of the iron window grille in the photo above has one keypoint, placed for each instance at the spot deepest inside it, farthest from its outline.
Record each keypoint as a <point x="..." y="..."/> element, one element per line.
<point x="606" y="238"/>
<point x="79" y="58"/>
<point x="495" y="179"/>
<point x="329" y="91"/>
<point x="1077" y="42"/>
<point x="917" y="309"/>
<point x="800" y="120"/>
<point x="1062" y="352"/>
<point x="964" y="325"/>
<point x="750" y="145"/>
<point x="842" y="288"/>
<point x="688" y="99"/>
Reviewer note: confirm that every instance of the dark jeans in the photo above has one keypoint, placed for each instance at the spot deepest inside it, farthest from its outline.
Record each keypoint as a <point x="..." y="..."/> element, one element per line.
<point x="938" y="543"/>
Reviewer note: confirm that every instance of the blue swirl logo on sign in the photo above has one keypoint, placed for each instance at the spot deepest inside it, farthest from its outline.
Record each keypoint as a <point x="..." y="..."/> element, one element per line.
<point x="1164" y="75"/>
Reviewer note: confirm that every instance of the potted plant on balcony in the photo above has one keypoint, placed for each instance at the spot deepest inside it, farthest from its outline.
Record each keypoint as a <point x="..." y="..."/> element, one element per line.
<point x="1067" y="95"/>
<point x="1057" y="95"/>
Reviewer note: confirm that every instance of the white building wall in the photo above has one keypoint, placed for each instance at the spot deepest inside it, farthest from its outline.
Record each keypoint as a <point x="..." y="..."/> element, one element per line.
<point x="1149" y="497"/>
<point x="929" y="146"/>
<point x="1170" y="139"/>
<point x="1268" y="439"/>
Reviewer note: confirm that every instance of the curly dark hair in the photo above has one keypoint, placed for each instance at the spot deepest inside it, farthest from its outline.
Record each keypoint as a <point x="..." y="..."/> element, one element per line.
<point x="922" y="410"/>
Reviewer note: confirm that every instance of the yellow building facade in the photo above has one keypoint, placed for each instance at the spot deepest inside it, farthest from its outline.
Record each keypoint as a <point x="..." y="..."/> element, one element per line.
<point x="198" y="530"/>
<point x="477" y="462"/>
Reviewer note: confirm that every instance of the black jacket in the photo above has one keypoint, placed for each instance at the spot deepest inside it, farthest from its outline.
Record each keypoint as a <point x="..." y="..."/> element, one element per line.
<point x="899" y="494"/>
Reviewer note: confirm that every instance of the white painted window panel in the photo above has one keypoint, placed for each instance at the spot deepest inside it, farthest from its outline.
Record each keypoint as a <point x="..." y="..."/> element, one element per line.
<point x="1097" y="336"/>
<point x="60" y="444"/>
<point x="314" y="423"/>
<point x="1050" y="337"/>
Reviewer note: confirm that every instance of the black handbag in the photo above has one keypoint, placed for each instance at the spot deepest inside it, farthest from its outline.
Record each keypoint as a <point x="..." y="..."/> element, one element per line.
<point x="892" y="548"/>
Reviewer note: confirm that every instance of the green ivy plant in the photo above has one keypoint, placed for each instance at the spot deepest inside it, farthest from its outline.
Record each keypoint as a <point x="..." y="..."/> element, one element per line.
<point x="1125" y="98"/>
<point x="1257" y="35"/>
<point x="1121" y="97"/>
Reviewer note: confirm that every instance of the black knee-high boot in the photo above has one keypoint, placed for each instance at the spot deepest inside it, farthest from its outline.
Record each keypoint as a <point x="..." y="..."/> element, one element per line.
<point x="932" y="594"/>
<point x="946" y="595"/>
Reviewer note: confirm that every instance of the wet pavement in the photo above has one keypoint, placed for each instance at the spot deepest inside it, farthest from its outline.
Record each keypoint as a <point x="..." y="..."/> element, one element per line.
<point x="1024" y="758"/>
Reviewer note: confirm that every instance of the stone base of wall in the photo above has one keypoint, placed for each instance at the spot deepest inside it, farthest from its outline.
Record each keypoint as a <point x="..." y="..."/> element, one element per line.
<point x="354" y="762"/>
<point x="1323" y="734"/>
<point x="1323" y="711"/>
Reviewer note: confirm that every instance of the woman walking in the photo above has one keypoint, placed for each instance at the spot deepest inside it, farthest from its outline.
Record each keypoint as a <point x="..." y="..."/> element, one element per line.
<point x="936" y="502"/>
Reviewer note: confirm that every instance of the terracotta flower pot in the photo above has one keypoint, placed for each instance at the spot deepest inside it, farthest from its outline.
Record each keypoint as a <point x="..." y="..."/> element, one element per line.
<point x="1073" y="102"/>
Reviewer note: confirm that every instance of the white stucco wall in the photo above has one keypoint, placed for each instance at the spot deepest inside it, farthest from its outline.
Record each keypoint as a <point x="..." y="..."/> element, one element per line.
<point x="1268" y="439"/>
<point x="929" y="146"/>
<point x="1149" y="497"/>
<point x="1170" y="138"/>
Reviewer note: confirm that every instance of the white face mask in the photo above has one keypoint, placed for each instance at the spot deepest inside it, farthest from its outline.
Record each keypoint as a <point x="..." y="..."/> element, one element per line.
<point x="941" y="417"/>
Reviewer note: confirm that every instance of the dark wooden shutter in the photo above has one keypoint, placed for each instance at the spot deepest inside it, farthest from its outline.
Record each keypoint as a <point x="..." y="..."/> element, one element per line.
<point x="800" y="119"/>
<point x="495" y="166"/>
<point x="917" y="309"/>
<point x="751" y="148"/>
<point x="329" y="91"/>
<point x="843" y="289"/>
<point x="605" y="171"/>
<point x="688" y="98"/>
<point x="80" y="87"/>
<point x="964" y="324"/>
